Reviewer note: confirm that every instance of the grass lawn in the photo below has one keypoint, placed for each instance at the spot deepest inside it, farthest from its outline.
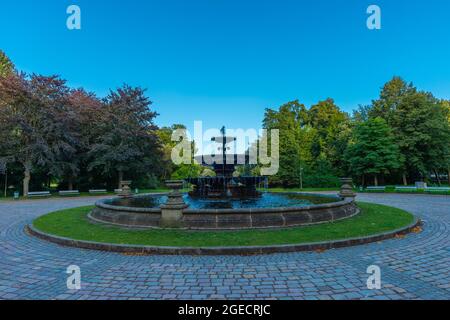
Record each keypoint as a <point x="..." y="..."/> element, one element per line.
<point x="73" y="223"/>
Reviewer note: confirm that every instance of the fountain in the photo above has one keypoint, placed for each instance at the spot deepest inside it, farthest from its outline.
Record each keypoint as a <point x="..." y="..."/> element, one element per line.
<point x="224" y="184"/>
<point x="225" y="202"/>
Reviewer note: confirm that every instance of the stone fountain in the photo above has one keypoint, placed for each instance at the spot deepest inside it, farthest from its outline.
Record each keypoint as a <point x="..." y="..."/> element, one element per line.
<point x="224" y="184"/>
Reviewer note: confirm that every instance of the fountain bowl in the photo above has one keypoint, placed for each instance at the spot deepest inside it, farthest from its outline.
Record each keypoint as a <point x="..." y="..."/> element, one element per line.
<point x="219" y="215"/>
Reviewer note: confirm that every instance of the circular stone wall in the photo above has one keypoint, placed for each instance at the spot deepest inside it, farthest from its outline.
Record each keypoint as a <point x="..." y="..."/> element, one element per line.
<point x="225" y="219"/>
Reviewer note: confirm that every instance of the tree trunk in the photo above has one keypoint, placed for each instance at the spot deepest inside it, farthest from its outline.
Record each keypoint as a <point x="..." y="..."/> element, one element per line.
<point x="363" y="181"/>
<point x="375" y="180"/>
<point x="27" y="178"/>
<point x="405" y="181"/>
<point x="120" y="179"/>
<point x="437" y="177"/>
<point x="70" y="184"/>
<point x="448" y="176"/>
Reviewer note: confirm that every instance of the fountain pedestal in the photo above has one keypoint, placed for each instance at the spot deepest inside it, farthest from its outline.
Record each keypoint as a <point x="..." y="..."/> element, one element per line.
<point x="347" y="188"/>
<point x="126" y="190"/>
<point x="172" y="211"/>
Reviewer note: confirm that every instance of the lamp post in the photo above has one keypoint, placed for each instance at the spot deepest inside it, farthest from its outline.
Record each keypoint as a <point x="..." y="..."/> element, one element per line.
<point x="301" y="177"/>
<point x="6" y="181"/>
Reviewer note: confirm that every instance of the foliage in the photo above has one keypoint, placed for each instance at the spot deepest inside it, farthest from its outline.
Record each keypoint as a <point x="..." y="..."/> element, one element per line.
<point x="419" y="123"/>
<point x="310" y="141"/>
<point x="38" y="127"/>
<point x="6" y="66"/>
<point x="51" y="134"/>
<point x="171" y="170"/>
<point x="127" y="142"/>
<point x="373" y="150"/>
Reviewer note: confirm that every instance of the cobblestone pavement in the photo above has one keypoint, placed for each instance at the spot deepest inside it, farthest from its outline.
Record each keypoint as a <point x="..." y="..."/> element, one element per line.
<point x="415" y="267"/>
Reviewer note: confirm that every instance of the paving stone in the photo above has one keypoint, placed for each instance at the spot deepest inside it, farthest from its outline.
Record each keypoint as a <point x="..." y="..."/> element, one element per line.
<point x="414" y="267"/>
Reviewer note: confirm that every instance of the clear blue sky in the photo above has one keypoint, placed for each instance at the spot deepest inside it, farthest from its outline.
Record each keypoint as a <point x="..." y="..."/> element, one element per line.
<point x="225" y="61"/>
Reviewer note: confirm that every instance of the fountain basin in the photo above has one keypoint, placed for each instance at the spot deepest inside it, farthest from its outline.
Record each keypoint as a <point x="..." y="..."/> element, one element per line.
<point x="313" y="209"/>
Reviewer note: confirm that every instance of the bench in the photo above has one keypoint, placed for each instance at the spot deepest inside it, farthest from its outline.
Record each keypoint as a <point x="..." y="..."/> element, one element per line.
<point x="437" y="189"/>
<point x="98" y="191"/>
<point x="118" y="191"/>
<point x="405" y="189"/>
<point x="69" y="193"/>
<point x="37" y="194"/>
<point x="376" y="188"/>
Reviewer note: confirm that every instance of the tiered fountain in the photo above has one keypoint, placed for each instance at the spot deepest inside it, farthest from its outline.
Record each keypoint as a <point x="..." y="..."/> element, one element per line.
<point x="224" y="184"/>
<point x="225" y="202"/>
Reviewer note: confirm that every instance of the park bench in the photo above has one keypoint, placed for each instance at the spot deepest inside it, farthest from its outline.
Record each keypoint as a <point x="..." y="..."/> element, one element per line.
<point x="98" y="191"/>
<point x="39" y="194"/>
<point x="437" y="189"/>
<point x="410" y="188"/>
<point x="380" y="188"/>
<point x="118" y="191"/>
<point x="69" y="193"/>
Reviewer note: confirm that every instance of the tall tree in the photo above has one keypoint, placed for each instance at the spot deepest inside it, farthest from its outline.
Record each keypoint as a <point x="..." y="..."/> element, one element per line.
<point x="181" y="171"/>
<point x="422" y="133"/>
<point x="128" y="141"/>
<point x="88" y="111"/>
<point x="373" y="151"/>
<point x="6" y="66"/>
<point x="391" y="96"/>
<point x="418" y="121"/>
<point x="37" y="123"/>
<point x="296" y="136"/>
<point x="446" y="106"/>
<point x="333" y="131"/>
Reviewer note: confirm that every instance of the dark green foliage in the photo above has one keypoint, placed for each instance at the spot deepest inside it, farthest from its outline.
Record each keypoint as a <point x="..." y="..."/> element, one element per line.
<point x="311" y="143"/>
<point x="373" y="150"/>
<point x="420" y="126"/>
<point x="6" y="66"/>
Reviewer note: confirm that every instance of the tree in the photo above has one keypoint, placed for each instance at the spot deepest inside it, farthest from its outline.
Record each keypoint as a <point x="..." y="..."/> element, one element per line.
<point x="181" y="171"/>
<point x="391" y="96"/>
<point x="446" y="106"/>
<point x="419" y="123"/>
<point x="128" y="141"/>
<point x="37" y="123"/>
<point x="88" y="110"/>
<point x="422" y="133"/>
<point x="291" y="119"/>
<point x="333" y="132"/>
<point x="373" y="150"/>
<point x="6" y="66"/>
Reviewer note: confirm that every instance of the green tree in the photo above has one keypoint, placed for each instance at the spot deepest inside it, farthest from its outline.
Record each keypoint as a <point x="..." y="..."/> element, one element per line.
<point x="422" y="132"/>
<point x="6" y="66"/>
<point x="419" y="123"/>
<point x="391" y="95"/>
<point x="373" y="150"/>
<point x="333" y="132"/>
<point x="295" y="140"/>
<point x="171" y="170"/>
